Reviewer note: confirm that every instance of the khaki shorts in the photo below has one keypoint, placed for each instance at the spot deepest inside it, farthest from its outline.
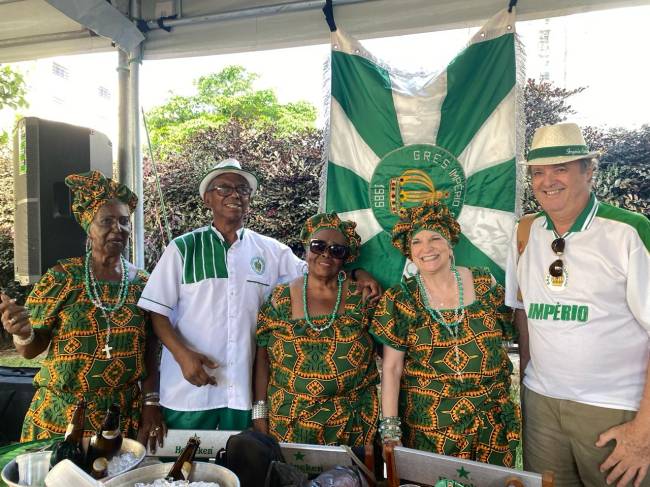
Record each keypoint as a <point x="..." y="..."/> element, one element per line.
<point x="560" y="435"/>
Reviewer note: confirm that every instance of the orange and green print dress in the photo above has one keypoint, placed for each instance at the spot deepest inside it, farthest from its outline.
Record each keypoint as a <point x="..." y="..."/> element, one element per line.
<point x="455" y="390"/>
<point x="322" y="385"/>
<point x="76" y="365"/>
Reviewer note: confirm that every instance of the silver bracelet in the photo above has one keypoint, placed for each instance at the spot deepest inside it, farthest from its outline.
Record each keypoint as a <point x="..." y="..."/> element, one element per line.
<point x="24" y="341"/>
<point x="260" y="410"/>
<point x="152" y="403"/>
<point x="151" y="395"/>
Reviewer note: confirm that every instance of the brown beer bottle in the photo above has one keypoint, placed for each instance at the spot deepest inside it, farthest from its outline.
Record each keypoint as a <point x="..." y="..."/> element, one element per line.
<point x="71" y="448"/>
<point x="183" y="466"/>
<point x="108" y="440"/>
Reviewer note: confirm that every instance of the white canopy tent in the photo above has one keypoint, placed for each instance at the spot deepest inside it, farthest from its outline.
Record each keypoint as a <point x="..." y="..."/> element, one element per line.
<point x="31" y="29"/>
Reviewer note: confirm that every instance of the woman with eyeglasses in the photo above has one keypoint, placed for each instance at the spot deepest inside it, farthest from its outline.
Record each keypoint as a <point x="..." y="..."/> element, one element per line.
<point x="445" y="370"/>
<point x="315" y="358"/>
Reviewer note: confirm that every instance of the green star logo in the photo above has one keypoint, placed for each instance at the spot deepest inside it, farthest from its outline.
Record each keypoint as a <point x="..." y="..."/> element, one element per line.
<point x="462" y="473"/>
<point x="299" y="456"/>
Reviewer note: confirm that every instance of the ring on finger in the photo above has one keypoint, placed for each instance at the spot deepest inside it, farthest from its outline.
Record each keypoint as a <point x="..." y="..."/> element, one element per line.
<point x="157" y="428"/>
<point x="153" y="433"/>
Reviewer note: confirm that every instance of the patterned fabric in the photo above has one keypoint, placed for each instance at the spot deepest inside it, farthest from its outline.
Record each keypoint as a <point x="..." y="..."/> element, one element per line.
<point x="322" y="386"/>
<point x="468" y="415"/>
<point x="431" y="215"/>
<point x="332" y="220"/>
<point x="75" y="365"/>
<point x="91" y="191"/>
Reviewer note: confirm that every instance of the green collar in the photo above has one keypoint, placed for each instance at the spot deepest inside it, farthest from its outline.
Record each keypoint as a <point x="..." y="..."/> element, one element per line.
<point x="583" y="222"/>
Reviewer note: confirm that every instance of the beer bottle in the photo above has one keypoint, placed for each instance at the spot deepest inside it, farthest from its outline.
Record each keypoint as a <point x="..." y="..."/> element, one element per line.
<point x="183" y="465"/>
<point x="108" y="440"/>
<point x="71" y="448"/>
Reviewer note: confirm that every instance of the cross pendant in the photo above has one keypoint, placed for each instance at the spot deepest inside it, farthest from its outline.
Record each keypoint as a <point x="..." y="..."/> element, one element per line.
<point x="107" y="350"/>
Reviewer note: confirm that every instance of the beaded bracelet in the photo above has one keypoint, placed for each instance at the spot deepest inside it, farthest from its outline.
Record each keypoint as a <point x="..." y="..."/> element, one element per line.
<point x="389" y="428"/>
<point x="24" y="341"/>
<point x="260" y="410"/>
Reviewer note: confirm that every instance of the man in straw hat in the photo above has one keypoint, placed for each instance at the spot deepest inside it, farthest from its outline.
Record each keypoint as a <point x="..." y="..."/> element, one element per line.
<point x="580" y="280"/>
<point x="204" y="295"/>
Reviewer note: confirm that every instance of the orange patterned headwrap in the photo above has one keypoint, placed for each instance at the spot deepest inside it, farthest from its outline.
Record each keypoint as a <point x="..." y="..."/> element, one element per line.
<point x="91" y="190"/>
<point x="431" y="215"/>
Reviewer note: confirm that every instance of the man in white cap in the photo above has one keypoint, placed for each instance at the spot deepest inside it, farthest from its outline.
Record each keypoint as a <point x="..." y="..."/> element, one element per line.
<point x="579" y="277"/>
<point x="204" y="295"/>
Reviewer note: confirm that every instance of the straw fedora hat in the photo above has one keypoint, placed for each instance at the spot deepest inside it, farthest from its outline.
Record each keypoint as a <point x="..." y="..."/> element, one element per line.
<point x="226" y="166"/>
<point x="556" y="144"/>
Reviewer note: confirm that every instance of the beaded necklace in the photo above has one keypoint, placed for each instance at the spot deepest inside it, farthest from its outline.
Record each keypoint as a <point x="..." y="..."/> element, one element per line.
<point x="458" y="316"/>
<point x="340" y="279"/>
<point x="94" y="293"/>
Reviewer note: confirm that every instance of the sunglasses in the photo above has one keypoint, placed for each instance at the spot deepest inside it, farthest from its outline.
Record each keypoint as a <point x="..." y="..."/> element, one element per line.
<point x="337" y="251"/>
<point x="242" y="190"/>
<point x="557" y="267"/>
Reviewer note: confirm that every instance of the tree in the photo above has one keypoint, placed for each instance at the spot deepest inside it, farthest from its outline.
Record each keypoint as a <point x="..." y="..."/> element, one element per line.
<point x="545" y="104"/>
<point x="287" y="168"/>
<point x="222" y="97"/>
<point x="12" y="93"/>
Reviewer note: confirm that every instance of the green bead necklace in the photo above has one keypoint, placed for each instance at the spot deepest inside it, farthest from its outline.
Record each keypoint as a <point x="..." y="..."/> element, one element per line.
<point x="94" y="293"/>
<point x="458" y="316"/>
<point x="340" y="278"/>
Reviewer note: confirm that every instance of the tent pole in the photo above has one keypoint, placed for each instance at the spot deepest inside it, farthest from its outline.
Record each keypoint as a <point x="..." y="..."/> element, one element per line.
<point x="136" y="156"/>
<point x="125" y="175"/>
<point x="251" y="12"/>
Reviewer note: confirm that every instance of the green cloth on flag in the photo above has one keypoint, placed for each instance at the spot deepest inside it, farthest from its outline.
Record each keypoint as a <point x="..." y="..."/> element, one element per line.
<point x="396" y="140"/>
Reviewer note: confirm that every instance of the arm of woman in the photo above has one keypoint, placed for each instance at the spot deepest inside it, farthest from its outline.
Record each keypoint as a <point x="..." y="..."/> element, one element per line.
<point x="153" y="428"/>
<point x="392" y="367"/>
<point x="15" y="320"/>
<point x="260" y="385"/>
<point x="192" y="363"/>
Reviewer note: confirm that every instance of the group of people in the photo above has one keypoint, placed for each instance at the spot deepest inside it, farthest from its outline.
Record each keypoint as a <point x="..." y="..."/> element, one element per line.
<point x="254" y="336"/>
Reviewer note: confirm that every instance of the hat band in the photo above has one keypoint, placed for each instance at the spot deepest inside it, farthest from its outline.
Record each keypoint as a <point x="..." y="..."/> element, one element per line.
<point x="557" y="151"/>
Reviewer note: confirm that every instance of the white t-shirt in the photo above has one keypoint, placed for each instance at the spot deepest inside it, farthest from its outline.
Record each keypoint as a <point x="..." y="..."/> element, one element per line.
<point x="212" y="295"/>
<point x="589" y="338"/>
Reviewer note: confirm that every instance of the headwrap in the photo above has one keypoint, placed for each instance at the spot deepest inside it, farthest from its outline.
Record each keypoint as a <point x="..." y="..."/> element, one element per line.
<point x="332" y="220"/>
<point x="91" y="190"/>
<point x="431" y="215"/>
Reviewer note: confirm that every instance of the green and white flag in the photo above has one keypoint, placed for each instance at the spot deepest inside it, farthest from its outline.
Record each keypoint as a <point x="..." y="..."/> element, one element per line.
<point x="396" y="139"/>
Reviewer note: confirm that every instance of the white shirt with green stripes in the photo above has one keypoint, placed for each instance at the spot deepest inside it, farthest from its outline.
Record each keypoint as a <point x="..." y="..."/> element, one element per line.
<point x="211" y="294"/>
<point x="589" y="335"/>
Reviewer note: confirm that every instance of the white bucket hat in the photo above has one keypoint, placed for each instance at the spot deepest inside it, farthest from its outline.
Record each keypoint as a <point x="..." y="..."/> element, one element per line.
<point x="557" y="144"/>
<point x="227" y="166"/>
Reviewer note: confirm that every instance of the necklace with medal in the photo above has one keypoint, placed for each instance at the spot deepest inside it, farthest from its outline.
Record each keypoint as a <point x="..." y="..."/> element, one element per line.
<point x="94" y="293"/>
<point x="458" y="315"/>
<point x="340" y="279"/>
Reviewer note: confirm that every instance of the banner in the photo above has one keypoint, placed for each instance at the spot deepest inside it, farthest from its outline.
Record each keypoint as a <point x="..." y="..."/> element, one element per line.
<point x="397" y="139"/>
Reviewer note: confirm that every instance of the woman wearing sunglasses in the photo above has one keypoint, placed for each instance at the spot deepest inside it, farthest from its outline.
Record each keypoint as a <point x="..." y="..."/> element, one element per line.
<point x="446" y="374"/>
<point x="315" y="358"/>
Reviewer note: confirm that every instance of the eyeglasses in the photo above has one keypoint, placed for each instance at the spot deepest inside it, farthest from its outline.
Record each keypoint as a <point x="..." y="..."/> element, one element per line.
<point x="557" y="267"/>
<point x="242" y="190"/>
<point x="337" y="251"/>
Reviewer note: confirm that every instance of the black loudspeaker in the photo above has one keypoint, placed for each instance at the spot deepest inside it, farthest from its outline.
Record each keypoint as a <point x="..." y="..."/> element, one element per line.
<point x="45" y="152"/>
<point x="16" y="392"/>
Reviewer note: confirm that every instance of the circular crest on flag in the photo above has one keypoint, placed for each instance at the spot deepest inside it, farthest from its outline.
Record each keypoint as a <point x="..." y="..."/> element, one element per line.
<point x="409" y="175"/>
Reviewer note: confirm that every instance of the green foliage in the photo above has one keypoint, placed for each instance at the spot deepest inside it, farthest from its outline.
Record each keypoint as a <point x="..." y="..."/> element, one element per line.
<point x="12" y="88"/>
<point x="287" y="168"/>
<point x="545" y="104"/>
<point x="221" y="97"/>
<point x="12" y="93"/>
